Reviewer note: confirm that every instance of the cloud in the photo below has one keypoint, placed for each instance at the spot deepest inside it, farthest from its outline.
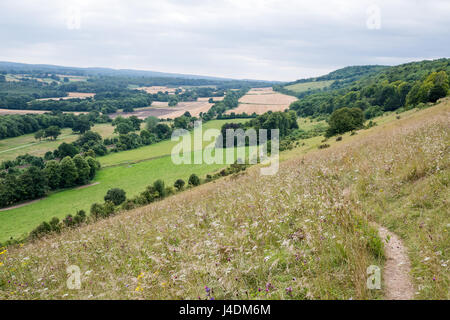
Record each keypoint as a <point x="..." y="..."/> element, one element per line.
<point x="258" y="39"/>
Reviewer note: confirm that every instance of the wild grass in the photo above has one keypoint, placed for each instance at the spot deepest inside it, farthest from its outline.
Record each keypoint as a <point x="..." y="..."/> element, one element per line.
<point x="305" y="233"/>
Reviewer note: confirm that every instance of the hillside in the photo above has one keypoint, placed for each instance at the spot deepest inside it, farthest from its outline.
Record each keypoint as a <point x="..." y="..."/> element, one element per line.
<point x="306" y="233"/>
<point x="387" y="89"/>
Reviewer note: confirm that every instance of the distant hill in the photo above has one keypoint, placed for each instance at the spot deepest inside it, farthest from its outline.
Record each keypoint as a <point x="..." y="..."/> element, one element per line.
<point x="14" y="67"/>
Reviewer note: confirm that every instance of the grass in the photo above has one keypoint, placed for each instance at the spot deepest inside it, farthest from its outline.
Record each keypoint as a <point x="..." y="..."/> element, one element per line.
<point x="163" y="148"/>
<point x="302" y="87"/>
<point x="12" y="147"/>
<point x="127" y="170"/>
<point x="304" y="233"/>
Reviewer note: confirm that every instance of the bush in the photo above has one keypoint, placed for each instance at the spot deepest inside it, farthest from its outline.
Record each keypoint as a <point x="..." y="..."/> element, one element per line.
<point x="339" y="138"/>
<point x="323" y="146"/>
<point x="116" y="196"/>
<point x="179" y="184"/>
<point x="158" y="185"/>
<point x="194" y="180"/>
<point x="345" y="119"/>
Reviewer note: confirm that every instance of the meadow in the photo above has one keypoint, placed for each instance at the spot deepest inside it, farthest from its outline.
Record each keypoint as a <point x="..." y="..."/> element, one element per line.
<point x="305" y="86"/>
<point x="306" y="233"/>
<point x="12" y="147"/>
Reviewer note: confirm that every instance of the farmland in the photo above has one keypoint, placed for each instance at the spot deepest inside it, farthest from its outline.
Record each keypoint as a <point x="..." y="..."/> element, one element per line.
<point x="72" y="95"/>
<point x="261" y="100"/>
<point x="305" y="86"/>
<point x="12" y="147"/>
<point x="162" y="110"/>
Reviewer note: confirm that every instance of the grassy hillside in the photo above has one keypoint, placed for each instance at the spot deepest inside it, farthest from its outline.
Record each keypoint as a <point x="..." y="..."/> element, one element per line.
<point x="305" y="86"/>
<point x="302" y="234"/>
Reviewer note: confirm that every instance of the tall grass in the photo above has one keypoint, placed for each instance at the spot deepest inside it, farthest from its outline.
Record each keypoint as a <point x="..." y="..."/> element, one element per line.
<point x="304" y="233"/>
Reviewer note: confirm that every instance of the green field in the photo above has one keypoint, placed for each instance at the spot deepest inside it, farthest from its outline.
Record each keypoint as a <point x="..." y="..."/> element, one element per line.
<point x="302" y="87"/>
<point x="12" y="147"/>
<point x="133" y="178"/>
<point x="156" y="150"/>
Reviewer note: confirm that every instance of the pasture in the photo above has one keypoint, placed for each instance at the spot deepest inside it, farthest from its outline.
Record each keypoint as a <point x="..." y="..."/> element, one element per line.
<point x="305" y="86"/>
<point x="12" y="147"/>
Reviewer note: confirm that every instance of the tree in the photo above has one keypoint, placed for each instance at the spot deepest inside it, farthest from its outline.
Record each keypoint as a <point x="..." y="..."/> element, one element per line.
<point x="69" y="172"/>
<point x="123" y="128"/>
<point x="345" y="119"/>
<point x="53" y="172"/>
<point x="179" y="184"/>
<point x="116" y="196"/>
<point x="181" y="122"/>
<point x="52" y="131"/>
<point x="67" y="149"/>
<point x="158" y="185"/>
<point x="162" y="131"/>
<point x="81" y="125"/>
<point x="194" y="180"/>
<point x="151" y="122"/>
<point x="39" y="135"/>
<point x="32" y="183"/>
<point x="83" y="169"/>
<point x="94" y="165"/>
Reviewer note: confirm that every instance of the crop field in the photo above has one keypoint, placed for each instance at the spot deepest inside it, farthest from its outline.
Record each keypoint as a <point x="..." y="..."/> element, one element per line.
<point x="156" y="89"/>
<point x="305" y="86"/>
<point x="12" y="147"/>
<point x="162" y="110"/>
<point x="261" y="100"/>
<point x="73" y="95"/>
<point x="4" y="112"/>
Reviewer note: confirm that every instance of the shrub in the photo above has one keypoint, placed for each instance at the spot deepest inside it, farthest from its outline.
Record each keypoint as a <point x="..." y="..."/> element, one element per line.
<point x="345" y="119"/>
<point x="194" y="180"/>
<point x="323" y="146"/>
<point x="179" y="184"/>
<point x="116" y="196"/>
<point x="158" y="185"/>
<point x="339" y="138"/>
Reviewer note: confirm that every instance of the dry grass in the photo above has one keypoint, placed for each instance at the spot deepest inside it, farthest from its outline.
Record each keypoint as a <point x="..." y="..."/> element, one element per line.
<point x="73" y="95"/>
<point x="301" y="234"/>
<point x="257" y="108"/>
<point x="156" y="89"/>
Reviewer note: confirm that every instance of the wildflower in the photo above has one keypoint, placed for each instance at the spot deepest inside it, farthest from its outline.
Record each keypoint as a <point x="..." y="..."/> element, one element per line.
<point x="1" y="263"/>
<point x="3" y="252"/>
<point x="289" y="290"/>
<point x="163" y="284"/>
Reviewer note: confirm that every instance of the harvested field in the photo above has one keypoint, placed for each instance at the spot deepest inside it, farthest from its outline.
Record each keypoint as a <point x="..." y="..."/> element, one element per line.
<point x="73" y="95"/>
<point x="257" y="108"/>
<point x="156" y="89"/>
<point x="162" y="110"/>
<point x="4" y="112"/>
<point x="207" y="98"/>
<point x="261" y="100"/>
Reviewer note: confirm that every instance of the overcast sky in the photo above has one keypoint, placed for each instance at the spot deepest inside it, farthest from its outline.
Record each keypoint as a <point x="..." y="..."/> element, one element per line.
<point x="253" y="39"/>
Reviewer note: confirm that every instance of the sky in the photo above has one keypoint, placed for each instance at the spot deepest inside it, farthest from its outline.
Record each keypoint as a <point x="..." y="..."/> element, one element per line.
<point x="244" y="39"/>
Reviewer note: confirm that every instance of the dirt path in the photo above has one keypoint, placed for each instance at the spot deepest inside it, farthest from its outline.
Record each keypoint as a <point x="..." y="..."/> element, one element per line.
<point x="20" y="205"/>
<point x="396" y="273"/>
